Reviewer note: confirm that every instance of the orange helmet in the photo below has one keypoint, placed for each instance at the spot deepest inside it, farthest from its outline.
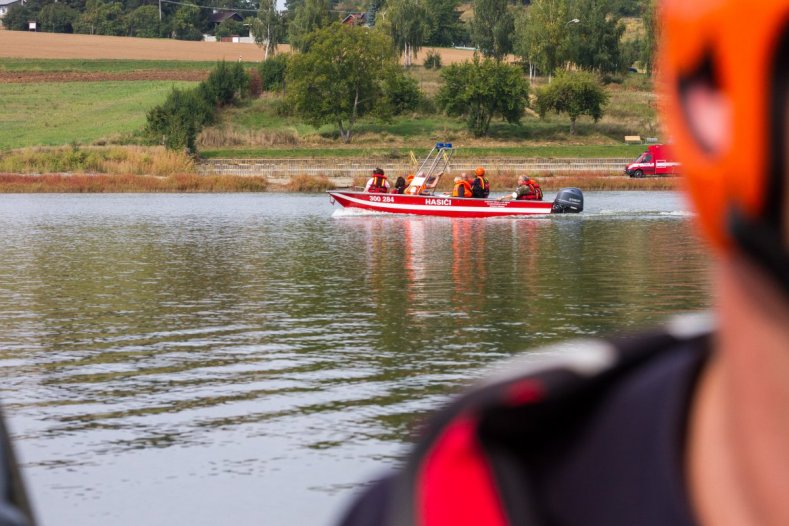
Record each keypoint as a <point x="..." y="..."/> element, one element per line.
<point x="736" y="53"/>
<point x="480" y="171"/>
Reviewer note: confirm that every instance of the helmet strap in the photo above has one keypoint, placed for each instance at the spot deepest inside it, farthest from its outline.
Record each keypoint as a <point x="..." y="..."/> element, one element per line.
<point x="762" y="243"/>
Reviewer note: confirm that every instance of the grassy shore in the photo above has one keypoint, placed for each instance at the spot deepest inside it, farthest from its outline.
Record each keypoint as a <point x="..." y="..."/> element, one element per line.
<point x="548" y="151"/>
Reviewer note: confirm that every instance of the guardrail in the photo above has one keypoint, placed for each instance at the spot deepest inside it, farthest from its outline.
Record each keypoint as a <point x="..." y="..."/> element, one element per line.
<point x="284" y="169"/>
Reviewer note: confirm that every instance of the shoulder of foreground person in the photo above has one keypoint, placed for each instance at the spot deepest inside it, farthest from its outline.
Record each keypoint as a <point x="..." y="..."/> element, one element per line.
<point x="586" y="432"/>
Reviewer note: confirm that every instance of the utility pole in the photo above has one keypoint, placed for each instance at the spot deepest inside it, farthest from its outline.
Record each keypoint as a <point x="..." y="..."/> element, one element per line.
<point x="160" y="10"/>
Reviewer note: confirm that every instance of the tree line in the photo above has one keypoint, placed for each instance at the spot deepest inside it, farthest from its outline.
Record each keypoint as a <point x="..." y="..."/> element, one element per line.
<point x="545" y="34"/>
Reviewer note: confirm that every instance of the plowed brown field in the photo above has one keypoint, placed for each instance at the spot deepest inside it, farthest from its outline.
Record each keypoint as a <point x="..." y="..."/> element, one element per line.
<point x="20" y="44"/>
<point x="26" y="77"/>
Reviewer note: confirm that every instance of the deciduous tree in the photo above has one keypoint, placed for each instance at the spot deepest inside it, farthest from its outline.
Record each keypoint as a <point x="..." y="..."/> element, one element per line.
<point x="340" y="77"/>
<point x="651" y="35"/>
<point x="492" y="28"/>
<point x="268" y="28"/>
<point x="307" y="18"/>
<point x="446" y="29"/>
<point x="406" y="22"/>
<point x="594" y="42"/>
<point x="541" y="34"/>
<point x="481" y="90"/>
<point x="101" y="18"/>
<point x="574" y="93"/>
<point x="144" y="22"/>
<point x="57" y="18"/>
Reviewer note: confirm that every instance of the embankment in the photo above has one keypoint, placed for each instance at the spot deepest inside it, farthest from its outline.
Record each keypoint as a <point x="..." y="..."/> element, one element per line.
<point x="154" y="169"/>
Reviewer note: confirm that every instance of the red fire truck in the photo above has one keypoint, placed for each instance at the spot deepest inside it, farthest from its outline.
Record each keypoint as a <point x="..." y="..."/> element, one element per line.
<point x="657" y="160"/>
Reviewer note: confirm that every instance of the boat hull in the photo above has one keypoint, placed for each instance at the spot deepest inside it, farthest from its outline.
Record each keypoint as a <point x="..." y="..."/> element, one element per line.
<point x="440" y="206"/>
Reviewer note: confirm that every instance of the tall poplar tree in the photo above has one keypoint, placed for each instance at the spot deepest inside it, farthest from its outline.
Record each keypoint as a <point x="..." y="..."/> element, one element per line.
<point x="407" y="22"/>
<point x="492" y="28"/>
<point x="309" y="16"/>
<point x="268" y="28"/>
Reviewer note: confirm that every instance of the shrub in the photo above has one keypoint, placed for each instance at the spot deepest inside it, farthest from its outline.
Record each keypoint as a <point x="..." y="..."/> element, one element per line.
<point x="226" y="84"/>
<point x="576" y="94"/>
<point x="179" y="119"/>
<point x="272" y="73"/>
<point x="481" y="90"/>
<point x="433" y="60"/>
<point x="401" y="93"/>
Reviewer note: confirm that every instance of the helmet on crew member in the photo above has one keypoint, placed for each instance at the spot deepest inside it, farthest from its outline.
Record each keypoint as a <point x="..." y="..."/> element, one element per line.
<point x="727" y="85"/>
<point x="480" y="172"/>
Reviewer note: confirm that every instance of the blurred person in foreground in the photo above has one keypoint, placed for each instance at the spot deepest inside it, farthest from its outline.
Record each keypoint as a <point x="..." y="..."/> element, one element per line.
<point x="686" y="425"/>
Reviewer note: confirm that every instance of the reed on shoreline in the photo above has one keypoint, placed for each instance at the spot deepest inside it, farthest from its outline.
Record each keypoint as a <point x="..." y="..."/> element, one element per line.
<point x="117" y="160"/>
<point x="103" y="183"/>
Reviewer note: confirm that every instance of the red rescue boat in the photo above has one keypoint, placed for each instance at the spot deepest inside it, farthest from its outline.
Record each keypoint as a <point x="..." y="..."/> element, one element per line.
<point x="419" y="197"/>
<point x="438" y="205"/>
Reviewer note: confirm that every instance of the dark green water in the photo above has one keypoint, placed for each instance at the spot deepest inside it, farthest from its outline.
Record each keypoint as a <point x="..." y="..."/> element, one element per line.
<point x="252" y="359"/>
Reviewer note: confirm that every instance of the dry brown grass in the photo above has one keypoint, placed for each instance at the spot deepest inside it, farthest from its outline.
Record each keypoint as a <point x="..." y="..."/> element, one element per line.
<point x="84" y="183"/>
<point x="592" y="181"/>
<point x="309" y="184"/>
<point x="229" y="137"/>
<point x="117" y="160"/>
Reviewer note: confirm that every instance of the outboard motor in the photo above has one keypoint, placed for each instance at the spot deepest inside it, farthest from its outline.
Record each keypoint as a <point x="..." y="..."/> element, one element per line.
<point x="568" y="201"/>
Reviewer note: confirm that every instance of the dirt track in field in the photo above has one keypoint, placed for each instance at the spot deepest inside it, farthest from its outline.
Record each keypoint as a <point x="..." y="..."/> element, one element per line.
<point x="27" y="77"/>
<point x="20" y="44"/>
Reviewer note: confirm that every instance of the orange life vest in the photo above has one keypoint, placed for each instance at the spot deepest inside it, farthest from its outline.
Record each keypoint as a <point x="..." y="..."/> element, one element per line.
<point x="462" y="189"/>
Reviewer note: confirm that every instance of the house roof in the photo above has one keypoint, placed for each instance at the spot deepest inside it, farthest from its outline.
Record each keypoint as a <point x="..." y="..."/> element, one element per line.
<point x="9" y="2"/>
<point x="355" y="18"/>
<point x="221" y="16"/>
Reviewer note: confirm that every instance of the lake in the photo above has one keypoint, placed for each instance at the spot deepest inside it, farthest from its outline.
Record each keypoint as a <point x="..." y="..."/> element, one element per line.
<point x="255" y="358"/>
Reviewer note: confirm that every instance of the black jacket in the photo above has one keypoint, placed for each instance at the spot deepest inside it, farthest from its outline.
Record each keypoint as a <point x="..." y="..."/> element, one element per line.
<point x="592" y="436"/>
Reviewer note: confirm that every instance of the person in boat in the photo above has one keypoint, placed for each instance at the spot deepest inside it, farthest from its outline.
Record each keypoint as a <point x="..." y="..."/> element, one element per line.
<point x="527" y="190"/>
<point x="413" y="190"/>
<point x="377" y="184"/>
<point x="399" y="186"/>
<point x="462" y="187"/>
<point x="686" y="425"/>
<point x="480" y="187"/>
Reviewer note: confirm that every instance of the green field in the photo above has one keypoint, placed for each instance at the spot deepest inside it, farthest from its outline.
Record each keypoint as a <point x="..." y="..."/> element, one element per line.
<point x="51" y="114"/>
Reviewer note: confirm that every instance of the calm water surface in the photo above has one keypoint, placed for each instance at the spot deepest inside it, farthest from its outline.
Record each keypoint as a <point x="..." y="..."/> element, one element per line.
<point x="253" y="359"/>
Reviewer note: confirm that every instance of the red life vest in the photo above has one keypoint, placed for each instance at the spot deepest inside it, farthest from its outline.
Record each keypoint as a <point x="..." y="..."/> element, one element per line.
<point x="378" y="186"/>
<point x="534" y="193"/>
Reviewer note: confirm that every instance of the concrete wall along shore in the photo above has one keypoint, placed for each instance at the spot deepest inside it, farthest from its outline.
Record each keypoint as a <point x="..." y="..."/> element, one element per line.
<point x="342" y="171"/>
